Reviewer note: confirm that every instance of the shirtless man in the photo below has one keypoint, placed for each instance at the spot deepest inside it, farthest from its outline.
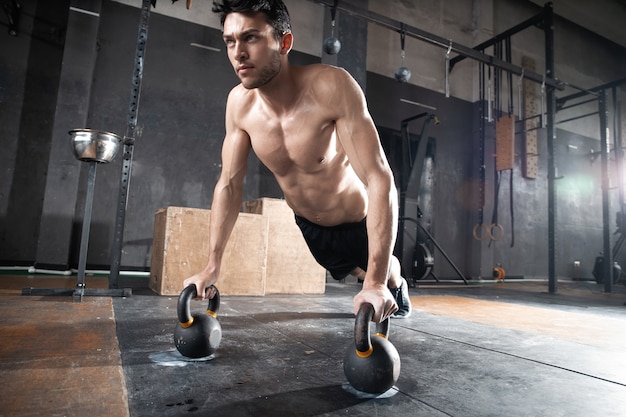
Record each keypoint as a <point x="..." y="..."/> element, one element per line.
<point x="310" y="126"/>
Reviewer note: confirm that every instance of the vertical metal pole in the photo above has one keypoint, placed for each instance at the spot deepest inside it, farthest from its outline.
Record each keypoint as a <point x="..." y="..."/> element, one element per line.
<point x="548" y="27"/>
<point x="129" y="140"/>
<point x="84" y="238"/>
<point x="481" y="147"/>
<point x="619" y="152"/>
<point x="607" y="265"/>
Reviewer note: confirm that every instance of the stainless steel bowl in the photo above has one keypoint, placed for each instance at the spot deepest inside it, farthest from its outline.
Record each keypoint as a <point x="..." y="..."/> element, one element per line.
<point x="94" y="145"/>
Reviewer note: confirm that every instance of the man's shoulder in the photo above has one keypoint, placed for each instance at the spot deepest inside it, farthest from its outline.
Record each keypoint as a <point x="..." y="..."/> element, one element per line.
<point x="239" y="103"/>
<point x="325" y="79"/>
<point x="238" y="92"/>
<point x="240" y="98"/>
<point x="323" y="70"/>
<point x="329" y="81"/>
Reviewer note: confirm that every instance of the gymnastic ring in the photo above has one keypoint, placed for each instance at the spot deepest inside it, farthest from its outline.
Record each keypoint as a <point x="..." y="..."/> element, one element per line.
<point x="496" y="226"/>
<point x="484" y="235"/>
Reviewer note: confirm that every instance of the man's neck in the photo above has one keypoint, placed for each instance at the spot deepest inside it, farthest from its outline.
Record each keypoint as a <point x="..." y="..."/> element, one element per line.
<point x="280" y="94"/>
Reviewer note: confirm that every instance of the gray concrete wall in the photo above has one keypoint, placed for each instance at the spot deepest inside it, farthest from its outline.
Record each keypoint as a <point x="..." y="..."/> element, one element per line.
<point x="30" y="68"/>
<point x="180" y="127"/>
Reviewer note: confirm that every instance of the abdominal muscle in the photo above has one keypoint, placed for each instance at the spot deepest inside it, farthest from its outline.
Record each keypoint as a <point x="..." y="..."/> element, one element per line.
<point x="327" y="193"/>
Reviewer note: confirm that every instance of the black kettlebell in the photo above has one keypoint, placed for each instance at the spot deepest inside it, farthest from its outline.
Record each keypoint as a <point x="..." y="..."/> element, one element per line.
<point x="198" y="335"/>
<point x="371" y="364"/>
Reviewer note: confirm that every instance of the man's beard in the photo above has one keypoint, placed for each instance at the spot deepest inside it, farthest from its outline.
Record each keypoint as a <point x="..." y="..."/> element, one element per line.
<point x="266" y="74"/>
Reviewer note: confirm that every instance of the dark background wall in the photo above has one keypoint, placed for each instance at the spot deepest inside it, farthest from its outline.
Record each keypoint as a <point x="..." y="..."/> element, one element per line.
<point x="29" y="77"/>
<point x="179" y="134"/>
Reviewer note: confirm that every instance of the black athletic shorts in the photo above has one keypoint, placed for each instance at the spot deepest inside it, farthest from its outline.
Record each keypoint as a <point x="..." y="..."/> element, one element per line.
<point x="339" y="249"/>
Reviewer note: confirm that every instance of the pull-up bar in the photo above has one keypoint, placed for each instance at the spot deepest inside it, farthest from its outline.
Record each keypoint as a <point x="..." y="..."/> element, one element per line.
<point x="592" y="91"/>
<point x="533" y="21"/>
<point x="448" y="44"/>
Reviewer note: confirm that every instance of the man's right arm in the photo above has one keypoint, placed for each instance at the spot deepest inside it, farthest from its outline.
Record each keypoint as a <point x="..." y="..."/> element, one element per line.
<point x="227" y="197"/>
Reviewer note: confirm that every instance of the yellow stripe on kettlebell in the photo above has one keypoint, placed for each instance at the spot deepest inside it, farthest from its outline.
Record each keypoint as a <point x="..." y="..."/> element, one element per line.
<point x="211" y="313"/>
<point x="189" y="323"/>
<point x="381" y="335"/>
<point x="365" y="354"/>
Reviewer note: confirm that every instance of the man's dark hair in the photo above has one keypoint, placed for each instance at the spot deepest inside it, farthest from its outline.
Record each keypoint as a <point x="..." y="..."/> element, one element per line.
<point x="275" y="11"/>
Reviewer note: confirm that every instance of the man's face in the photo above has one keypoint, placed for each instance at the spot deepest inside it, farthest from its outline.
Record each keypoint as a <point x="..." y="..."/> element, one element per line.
<point x="252" y="48"/>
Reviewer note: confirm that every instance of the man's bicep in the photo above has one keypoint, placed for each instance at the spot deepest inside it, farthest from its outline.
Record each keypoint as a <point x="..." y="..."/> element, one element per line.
<point x="358" y="135"/>
<point x="235" y="151"/>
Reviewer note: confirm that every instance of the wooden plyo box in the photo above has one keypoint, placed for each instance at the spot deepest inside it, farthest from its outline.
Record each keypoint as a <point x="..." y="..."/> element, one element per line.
<point x="181" y="245"/>
<point x="291" y="269"/>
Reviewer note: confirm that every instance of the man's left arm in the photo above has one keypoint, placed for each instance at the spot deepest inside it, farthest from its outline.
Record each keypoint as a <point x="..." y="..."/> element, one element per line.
<point x="359" y="138"/>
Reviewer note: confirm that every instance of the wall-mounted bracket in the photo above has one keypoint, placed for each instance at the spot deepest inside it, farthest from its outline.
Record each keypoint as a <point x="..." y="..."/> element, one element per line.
<point x="12" y="9"/>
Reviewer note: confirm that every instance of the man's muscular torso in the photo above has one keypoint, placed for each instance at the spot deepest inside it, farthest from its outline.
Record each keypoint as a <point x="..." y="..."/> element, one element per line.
<point x="301" y="148"/>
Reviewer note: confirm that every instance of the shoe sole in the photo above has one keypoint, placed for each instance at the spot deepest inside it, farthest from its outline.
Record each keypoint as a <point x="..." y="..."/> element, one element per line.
<point x="404" y="316"/>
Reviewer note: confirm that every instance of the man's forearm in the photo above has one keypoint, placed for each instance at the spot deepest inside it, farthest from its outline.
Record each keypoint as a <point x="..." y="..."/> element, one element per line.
<point x="224" y="213"/>
<point x="382" y="221"/>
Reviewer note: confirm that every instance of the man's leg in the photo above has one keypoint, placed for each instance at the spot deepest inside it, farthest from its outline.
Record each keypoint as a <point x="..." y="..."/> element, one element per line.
<point x="400" y="290"/>
<point x="359" y="274"/>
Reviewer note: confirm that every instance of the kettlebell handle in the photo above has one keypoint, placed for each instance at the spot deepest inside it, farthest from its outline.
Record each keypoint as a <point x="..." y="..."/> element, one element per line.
<point x="362" y="338"/>
<point x="184" y="304"/>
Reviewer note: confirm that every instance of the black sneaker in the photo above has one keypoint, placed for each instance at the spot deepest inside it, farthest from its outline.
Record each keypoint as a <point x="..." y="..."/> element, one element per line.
<point x="401" y="294"/>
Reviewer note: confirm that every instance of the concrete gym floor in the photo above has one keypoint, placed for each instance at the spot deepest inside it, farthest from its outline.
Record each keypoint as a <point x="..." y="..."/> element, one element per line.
<point x="508" y="349"/>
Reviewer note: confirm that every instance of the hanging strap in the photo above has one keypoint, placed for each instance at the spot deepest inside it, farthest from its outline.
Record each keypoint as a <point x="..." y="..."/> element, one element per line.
<point x="510" y="74"/>
<point x="333" y="12"/>
<point x="511" y="208"/>
<point x="511" y="114"/>
<point x="494" y="215"/>
<point x="402" y="40"/>
<point x="447" y="85"/>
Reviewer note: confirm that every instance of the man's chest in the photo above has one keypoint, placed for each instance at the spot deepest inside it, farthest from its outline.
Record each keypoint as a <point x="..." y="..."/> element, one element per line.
<point x="304" y="142"/>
